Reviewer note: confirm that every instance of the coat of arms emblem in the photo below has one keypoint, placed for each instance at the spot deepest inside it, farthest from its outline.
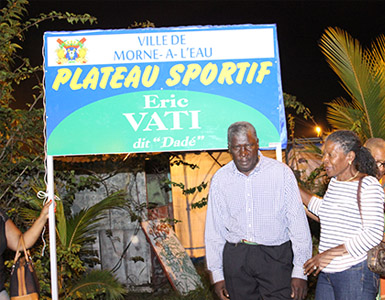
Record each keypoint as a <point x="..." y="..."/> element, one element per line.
<point x="71" y="51"/>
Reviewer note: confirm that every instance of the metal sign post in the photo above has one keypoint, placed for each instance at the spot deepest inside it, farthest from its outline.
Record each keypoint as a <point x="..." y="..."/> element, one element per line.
<point x="52" y="228"/>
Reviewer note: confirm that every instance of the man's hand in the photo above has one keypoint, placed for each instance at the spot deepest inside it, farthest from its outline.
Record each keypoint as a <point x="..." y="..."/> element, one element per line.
<point x="220" y="290"/>
<point x="298" y="288"/>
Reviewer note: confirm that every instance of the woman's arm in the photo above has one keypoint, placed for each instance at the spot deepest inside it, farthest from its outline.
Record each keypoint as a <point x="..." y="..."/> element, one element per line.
<point x="311" y="215"/>
<point x="305" y="196"/>
<point x="320" y="261"/>
<point x="371" y="218"/>
<point x="13" y="233"/>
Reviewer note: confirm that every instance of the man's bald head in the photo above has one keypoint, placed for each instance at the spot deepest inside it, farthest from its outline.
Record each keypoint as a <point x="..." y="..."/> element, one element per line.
<point x="377" y="149"/>
<point x="375" y="143"/>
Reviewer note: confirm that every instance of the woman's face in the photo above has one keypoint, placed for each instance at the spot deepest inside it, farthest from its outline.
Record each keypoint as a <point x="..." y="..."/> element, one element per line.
<point x="336" y="162"/>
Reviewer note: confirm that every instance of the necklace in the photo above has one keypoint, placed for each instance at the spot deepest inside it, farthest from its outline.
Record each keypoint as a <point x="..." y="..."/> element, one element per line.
<point x="355" y="175"/>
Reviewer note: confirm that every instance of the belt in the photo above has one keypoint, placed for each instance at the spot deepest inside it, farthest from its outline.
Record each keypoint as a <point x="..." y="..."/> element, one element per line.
<point x="243" y="241"/>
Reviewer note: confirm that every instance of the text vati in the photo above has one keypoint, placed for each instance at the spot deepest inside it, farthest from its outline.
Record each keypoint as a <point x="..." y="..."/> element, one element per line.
<point x="158" y="120"/>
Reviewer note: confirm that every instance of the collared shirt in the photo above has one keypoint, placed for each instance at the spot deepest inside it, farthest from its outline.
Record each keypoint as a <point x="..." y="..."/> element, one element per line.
<point x="264" y="207"/>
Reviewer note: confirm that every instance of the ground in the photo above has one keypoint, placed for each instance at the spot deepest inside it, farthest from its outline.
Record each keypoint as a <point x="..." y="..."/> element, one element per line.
<point x="207" y="293"/>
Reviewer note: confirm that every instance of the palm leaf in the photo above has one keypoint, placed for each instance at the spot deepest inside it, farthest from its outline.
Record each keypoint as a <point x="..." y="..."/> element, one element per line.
<point x="81" y="225"/>
<point x="377" y="57"/>
<point x="342" y="114"/>
<point x="346" y="58"/>
<point x="61" y="223"/>
<point x="313" y="149"/>
<point x="101" y="281"/>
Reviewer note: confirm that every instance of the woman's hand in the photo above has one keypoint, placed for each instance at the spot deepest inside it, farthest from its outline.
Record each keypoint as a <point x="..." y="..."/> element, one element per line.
<point x="317" y="263"/>
<point x="45" y="211"/>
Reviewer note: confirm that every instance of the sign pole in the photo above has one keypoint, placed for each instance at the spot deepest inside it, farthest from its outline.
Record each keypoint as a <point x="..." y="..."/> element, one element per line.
<point x="278" y="150"/>
<point x="52" y="228"/>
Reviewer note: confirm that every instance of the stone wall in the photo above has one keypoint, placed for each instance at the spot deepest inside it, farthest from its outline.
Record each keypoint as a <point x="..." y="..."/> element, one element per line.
<point x="121" y="244"/>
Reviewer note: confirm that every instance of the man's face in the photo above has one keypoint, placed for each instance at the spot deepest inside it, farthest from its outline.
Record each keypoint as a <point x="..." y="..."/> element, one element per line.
<point x="379" y="157"/>
<point x="244" y="150"/>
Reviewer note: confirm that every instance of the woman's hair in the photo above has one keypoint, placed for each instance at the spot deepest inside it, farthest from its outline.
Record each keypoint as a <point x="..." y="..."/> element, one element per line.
<point x="349" y="141"/>
<point x="240" y="128"/>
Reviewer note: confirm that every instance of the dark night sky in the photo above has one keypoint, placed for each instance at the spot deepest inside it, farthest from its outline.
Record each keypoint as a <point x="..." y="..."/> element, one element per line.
<point x="300" y="25"/>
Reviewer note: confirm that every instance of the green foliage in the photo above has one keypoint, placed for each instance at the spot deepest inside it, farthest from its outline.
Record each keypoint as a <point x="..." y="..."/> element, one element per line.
<point x="179" y="162"/>
<point x="21" y="131"/>
<point x="95" y="283"/>
<point x="201" y="203"/>
<point x="13" y="25"/>
<point x="22" y="168"/>
<point x="175" y="160"/>
<point x="80" y="226"/>
<point x="21" y="151"/>
<point x="295" y="111"/>
<point x="74" y="237"/>
<point x="362" y="75"/>
<point x="190" y="191"/>
<point x="291" y="102"/>
<point x="145" y="24"/>
<point x="316" y="181"/>
<point x="75" y="234"/>
<point x="198" y="188"/>
<point x="135" y="259"/>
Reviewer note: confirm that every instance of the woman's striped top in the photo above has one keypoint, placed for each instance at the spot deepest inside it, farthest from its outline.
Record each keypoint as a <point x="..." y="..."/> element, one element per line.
<point x="341" y="221"/>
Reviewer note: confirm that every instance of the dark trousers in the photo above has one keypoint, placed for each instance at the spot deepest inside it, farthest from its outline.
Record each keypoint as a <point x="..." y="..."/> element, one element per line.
<point x="257" y="272"/>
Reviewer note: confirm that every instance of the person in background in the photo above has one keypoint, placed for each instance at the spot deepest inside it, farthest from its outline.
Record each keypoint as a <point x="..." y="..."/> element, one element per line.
<point x="376" y="147"/>
<point x="348" y="228"/>
<point x="257" y="236"/>
<point x="10" y="235"/>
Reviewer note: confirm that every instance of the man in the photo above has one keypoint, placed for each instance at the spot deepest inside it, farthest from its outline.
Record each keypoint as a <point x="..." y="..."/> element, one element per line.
<point x="377" y="149"/>
<point x="256" y="227"/>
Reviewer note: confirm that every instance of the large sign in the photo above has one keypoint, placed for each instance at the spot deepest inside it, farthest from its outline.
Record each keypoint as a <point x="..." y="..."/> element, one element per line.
<point x="162" y="89"/>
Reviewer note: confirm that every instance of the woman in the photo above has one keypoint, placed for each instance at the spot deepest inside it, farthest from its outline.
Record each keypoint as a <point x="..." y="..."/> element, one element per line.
<point x="348" y="230"/>
<point x="9" y="237"/>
